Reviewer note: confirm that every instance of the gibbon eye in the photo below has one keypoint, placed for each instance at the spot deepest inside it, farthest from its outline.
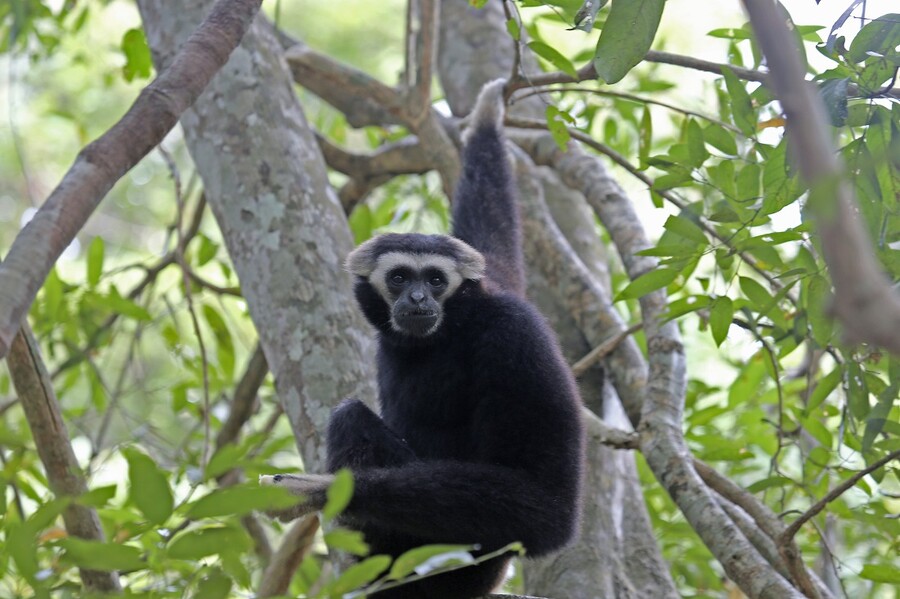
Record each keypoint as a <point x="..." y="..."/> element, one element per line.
<point x="436" y="281"/>
<point x="398" y="279"/>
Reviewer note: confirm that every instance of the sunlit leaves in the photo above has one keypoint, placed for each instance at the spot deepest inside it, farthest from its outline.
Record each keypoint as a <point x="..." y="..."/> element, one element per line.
<point x="626" y="37"/>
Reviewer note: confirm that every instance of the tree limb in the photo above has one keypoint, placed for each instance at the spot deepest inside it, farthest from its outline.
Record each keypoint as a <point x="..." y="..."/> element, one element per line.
<point x="51" y="439"/>
<point x="287" y="558"/>
<point x="103" y="162"/>
<point x="366" y="101"/>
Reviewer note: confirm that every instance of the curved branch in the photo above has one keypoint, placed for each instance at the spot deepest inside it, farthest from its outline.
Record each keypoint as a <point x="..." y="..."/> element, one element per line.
<point x="103" y="162"/>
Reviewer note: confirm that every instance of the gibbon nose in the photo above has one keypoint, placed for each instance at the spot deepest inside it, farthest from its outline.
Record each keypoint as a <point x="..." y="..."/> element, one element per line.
<point x="417" y="296"/>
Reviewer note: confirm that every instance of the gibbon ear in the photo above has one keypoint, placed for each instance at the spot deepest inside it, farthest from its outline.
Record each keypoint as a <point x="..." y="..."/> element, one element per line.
<point x="471" y="262"/>
<point x="361" y="261"/>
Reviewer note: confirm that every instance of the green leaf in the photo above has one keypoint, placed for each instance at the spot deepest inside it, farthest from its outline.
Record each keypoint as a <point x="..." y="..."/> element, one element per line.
<point x="215" y="585"/>
<point x="834" y="94"/>
<point x="697" y="153"/>
<point x="880" y="36"/>
<point x="881" y="573"/>
<point x="98" y="497"/>
<point x="768" y="483"/>
<point x="208" y="250"/>
<point x="138" y="63"/>
<point x="646" y="137"/>
<point x="224" y="343"/>
<point x="553" y="56"/>
<point x="648" y="282"/>
<point x="825" y="386"/>
<point x="747" y="183"/>
<point x="687" y="228"/>
<point x="359" y="574"/>
<point x="878" y="417"/>
<point x="95" y="261"/>
<point x="224" y="459"/>
<point x="197" y="544"/>
<point x="53" y="294"/>
<point x="351" y="541"/>
<point x="512" y="26"/>
<point x="741" y="104"/>
<point x="149" y="490"/>
<point x="817" y="305"/>
<point x="239" y="500"/>
<point x="557" y="126"/>
<point x="756" y="293"/>
<point x="720" y="138"/>
<point x="626" y="37"/>
<point x="106" y="557"/>
<point x="339" y="494"/>
<point x="818" y="431"/>
<point x="116" y="303"/>
<point x="857" y="392"/>
<point x="720" y="315"/>
<point x="20" y="544"/>
<point x="408" y="562"/>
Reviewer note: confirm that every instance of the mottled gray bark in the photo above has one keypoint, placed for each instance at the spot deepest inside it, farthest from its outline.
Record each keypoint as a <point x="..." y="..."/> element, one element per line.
<point x="286" y="233"/>
<point x="617" y="554"/>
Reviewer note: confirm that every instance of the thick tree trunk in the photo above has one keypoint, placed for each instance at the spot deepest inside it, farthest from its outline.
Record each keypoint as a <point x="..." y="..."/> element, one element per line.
<point x="286" y="233"/>
<point x="617" y="554"/>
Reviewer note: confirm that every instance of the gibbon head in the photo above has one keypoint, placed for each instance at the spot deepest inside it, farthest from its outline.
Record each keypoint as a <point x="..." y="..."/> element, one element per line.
<point x="415" y="274"/>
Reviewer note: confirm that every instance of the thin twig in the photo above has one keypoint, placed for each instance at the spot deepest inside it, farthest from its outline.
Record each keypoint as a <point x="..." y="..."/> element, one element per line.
<point x="604" y="349"/>
<point x="626" y="96"/>
<point x="788" y="534"/>
<point x="188" y="295"/>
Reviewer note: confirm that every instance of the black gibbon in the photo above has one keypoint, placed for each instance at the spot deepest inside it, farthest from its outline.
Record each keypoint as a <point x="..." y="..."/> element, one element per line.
<point x="479" y="440"/>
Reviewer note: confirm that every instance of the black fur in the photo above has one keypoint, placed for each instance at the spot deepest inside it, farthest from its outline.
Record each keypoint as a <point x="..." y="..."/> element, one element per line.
<point x="479" y="439"/>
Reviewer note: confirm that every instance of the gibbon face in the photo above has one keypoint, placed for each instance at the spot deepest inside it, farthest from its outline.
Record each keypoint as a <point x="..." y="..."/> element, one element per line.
<point x="415" y="274"/>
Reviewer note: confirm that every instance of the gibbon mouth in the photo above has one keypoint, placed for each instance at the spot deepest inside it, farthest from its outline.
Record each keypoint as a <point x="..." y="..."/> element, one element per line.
<point x="419" y="314"/>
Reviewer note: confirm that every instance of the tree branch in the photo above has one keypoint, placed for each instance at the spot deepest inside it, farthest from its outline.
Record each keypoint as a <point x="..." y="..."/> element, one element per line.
<point x="422" y="20"/>
<point x="788" y="534"/>
<point x="294" y="546"/>
<point x="368" y="171"/>
<point x="35" y="390"/>
<point x="366" y="101"/>
<point x="765" y="520"/>
<point x="588" y="73"/>
<point x="103" y="162"/>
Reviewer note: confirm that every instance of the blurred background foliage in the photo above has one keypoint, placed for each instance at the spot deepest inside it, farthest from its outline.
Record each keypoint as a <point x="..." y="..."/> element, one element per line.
<point x="775" y="401"/>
